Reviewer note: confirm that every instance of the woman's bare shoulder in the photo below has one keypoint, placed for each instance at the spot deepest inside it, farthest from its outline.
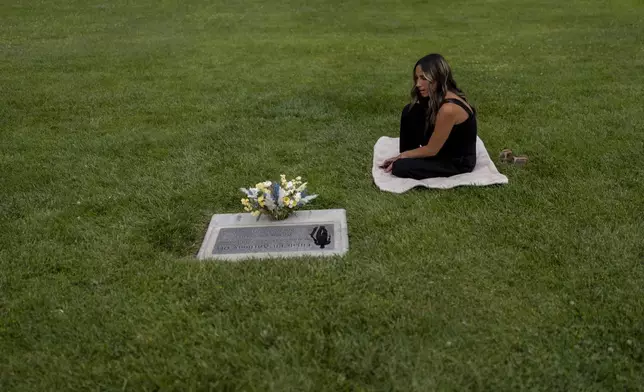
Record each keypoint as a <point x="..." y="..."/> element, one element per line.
<point x="451" y="95"/>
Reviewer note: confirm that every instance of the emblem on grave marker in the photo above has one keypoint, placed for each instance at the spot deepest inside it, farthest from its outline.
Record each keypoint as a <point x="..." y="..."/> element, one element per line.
<point x="321" y="236"/>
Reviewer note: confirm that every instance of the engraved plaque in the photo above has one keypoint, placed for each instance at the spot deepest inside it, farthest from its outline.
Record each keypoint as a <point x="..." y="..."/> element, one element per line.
<point x="289" y="238"/>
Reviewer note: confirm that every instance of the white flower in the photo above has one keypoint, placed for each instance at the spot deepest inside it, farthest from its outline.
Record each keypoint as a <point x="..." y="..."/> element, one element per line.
<point x="269" y="203"/>
<point x="280" y="197"/>
<point x="309" y="198"/>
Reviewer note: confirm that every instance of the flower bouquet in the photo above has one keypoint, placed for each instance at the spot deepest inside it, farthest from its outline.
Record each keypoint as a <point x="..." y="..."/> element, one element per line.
<point x="274" y="199"/>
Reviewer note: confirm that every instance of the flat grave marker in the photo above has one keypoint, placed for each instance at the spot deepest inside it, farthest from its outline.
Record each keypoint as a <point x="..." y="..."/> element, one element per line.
<point x="304" y="233"/>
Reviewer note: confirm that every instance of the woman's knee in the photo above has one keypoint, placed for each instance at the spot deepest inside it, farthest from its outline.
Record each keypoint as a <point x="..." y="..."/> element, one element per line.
<point x="400" y="168"/>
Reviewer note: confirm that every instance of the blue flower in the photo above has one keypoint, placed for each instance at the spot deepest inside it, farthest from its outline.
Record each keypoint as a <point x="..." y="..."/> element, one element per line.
<point x="276" y="191"/>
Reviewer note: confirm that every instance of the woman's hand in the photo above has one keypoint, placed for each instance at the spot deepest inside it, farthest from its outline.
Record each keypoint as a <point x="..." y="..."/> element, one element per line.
<point x="389" y="163"/>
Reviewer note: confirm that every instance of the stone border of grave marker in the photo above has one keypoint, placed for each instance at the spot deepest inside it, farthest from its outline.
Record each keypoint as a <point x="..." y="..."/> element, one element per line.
<point x="234" y="237"/>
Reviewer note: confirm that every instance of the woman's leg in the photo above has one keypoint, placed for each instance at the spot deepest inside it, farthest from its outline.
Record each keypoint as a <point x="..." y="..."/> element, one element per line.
<point x="466" y="164"/>
<point x="412" y="127"/>
<point x="421" y="168"/>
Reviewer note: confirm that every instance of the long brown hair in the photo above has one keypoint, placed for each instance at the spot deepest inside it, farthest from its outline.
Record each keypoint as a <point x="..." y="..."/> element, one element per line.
<point x="436" y="69"/>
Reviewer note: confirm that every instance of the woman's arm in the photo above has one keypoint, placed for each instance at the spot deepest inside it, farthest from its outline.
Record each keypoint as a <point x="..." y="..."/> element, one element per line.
<point x="445" y="121"/>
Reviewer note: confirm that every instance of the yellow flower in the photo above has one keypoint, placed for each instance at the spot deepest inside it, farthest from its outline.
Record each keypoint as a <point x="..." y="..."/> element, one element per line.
<point x="245" y="202"/>
<point x="255" y="213"/>
<point x="286" y="200"/>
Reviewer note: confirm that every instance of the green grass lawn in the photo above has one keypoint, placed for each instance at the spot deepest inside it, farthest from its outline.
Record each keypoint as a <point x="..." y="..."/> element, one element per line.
<point x="124" y="125"/>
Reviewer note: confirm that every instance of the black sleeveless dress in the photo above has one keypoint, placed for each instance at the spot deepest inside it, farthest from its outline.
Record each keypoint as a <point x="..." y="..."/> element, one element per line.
<point x="456" y="156"/>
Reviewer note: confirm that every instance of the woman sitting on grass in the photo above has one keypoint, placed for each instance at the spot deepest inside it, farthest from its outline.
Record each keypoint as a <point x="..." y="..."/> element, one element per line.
<point x="438" y="127"/>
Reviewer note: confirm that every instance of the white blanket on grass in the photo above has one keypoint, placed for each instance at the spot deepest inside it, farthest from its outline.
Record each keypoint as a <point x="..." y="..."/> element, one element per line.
<point x="484" y="173"/>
